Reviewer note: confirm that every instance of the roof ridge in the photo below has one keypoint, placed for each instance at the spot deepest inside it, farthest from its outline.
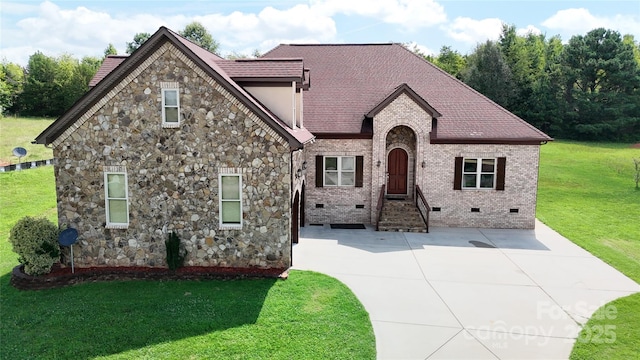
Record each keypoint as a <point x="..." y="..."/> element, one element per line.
<point x="265" y="59"/>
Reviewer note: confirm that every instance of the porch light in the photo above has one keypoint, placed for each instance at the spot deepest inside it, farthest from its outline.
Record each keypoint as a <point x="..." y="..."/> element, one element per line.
<point x="378" y="163"/>
<point x="299" y="173"/>
<point x="424" y="164"/>
<point x="304" y="165"/>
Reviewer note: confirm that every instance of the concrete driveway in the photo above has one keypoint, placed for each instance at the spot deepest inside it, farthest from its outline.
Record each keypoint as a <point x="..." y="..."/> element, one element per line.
<point x="467" y="293"/>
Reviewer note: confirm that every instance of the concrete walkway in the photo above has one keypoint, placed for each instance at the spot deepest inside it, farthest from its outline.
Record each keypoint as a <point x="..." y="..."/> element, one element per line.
<point x="467" y="293"/>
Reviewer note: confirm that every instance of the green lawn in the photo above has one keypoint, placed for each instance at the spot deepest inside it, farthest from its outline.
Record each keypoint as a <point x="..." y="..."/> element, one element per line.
<point x="587" y="193"/>
<point x="308" y="316"/>
<point x="21" y="132"/>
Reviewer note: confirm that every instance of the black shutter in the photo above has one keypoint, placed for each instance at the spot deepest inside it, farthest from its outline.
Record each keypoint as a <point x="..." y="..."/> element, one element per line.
<point x="457" y="175"/>
<point x="502" y="163"/>
<point x="319" y="171"/>
<point x="359" y="168"/>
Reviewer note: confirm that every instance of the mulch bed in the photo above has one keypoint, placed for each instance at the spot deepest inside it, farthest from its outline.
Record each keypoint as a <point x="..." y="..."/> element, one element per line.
<point x="636" y="146"/>
<point x="62" y="276"/>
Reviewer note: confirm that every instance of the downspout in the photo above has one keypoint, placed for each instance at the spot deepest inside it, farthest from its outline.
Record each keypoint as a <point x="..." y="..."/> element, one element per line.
<point x="301" y="109"/>
<point x="293" y="101"/>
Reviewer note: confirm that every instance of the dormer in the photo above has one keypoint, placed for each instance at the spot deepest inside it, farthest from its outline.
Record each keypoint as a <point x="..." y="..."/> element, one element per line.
<point x="276" y="83"/>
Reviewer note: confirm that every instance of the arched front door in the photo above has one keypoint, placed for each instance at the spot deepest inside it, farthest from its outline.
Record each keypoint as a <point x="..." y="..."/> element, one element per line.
<point x="397" y="167"/>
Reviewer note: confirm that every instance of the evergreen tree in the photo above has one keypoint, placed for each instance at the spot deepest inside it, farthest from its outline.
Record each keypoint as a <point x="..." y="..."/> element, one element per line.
<point x="138" y="40"/>
<point x="489" y="74"/>
<point x="602" y="87"/>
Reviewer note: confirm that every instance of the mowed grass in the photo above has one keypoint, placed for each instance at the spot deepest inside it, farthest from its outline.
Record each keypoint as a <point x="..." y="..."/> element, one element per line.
<point x="15" y="131"/>
<point x="308" y="316"/>
<point x="29" y="192"/>
<point x="587" y="193"/>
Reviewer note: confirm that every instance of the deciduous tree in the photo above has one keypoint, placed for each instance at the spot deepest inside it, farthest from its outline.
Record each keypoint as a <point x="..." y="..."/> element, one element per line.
<point x="451" y="61"/>
<point x="11" y="85"/>
<point x="110" y="50"/>
<point x="197" y="33"/>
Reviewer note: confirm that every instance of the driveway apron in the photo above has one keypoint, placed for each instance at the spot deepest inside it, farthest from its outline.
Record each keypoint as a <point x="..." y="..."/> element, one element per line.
<point x="460" y="293"/>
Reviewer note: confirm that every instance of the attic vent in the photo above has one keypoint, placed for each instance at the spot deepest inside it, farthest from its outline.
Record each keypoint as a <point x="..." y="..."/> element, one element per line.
<point x="435" y="209"/>
<point x="475" y="209"/>
<point x="514" y="211"/>
<point x="319" y="206"/>
<point x="359" y="206"/>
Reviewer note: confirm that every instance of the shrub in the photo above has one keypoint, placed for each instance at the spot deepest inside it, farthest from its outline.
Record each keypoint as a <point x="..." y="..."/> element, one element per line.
<point x="35" y="240"/>
<point x="175" y="252"/>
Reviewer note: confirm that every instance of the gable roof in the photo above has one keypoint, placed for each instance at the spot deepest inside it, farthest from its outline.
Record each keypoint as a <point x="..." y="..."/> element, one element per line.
<point x="351" y="79"/>
<point x="108" y="65"/>
<point x="201" y="57"/>
<point x="404" y="89"/>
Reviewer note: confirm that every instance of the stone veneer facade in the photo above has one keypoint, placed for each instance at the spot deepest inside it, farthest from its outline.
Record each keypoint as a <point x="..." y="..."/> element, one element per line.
<point x="404" y="124"/>
<point x="173" y="173"/>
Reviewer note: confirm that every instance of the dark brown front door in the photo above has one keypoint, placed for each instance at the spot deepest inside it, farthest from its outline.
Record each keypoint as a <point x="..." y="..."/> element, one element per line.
<point x="397" y="172"/>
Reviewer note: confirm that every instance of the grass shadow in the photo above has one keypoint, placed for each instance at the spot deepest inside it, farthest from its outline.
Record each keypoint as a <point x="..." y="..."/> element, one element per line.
<point x="100" y="319"/>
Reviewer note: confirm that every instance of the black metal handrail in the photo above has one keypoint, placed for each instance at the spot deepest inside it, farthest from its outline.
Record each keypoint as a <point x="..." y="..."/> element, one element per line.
<point x="420" y="200"/>
<point x="379" y="207"/>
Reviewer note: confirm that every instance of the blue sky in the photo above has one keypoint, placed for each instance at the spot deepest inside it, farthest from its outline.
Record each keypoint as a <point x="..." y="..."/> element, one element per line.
<point x="82" y="28"/>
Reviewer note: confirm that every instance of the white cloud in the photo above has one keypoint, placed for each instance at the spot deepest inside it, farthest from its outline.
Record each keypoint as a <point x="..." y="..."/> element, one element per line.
<point x="579" y="21"/>
<point x="298" y="22"/>
<point x="421" y="48"/>
<point x="409" y="14"/>
<point x="530" y="29"/>
<point x="473" y="31"/>
<point x="80" y="31"/>
<point x="86" y="32"/>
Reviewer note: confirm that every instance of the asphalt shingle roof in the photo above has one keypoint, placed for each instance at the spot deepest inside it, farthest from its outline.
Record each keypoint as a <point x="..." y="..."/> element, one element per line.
<point x="109" y="63"/>
<point x="348" y="81"/>
<point x="263" y="68"/>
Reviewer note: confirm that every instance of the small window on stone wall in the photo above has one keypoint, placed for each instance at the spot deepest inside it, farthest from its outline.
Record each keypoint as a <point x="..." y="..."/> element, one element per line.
<point x="116" y="197"/>
<point x="230" y="195"/>
<point x="170" y="105"/>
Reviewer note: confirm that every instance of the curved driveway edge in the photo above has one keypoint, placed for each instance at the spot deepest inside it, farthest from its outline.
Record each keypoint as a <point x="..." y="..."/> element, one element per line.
<point x="459" y="293"/>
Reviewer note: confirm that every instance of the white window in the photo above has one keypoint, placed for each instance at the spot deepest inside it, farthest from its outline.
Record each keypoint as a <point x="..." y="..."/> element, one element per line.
<point x="170" y="108"/>
<point x="339" y="170"/>
<point x="479" y="173"/>
<point x="230" y="200"/>
<point x="116" y="199"/>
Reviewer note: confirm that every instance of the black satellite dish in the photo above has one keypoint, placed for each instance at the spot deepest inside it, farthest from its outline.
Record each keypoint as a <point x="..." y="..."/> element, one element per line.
<point x="19" y="152"/>
<point x="68" y="237"/>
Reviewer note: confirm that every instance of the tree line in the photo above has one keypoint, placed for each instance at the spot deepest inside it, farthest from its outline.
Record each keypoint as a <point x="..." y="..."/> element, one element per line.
<point x="49" y="85"/>
<point x="586" y="89"/>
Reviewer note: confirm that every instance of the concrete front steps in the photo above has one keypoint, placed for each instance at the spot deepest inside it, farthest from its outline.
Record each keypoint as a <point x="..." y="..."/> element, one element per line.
<point x="401" y="215"/>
